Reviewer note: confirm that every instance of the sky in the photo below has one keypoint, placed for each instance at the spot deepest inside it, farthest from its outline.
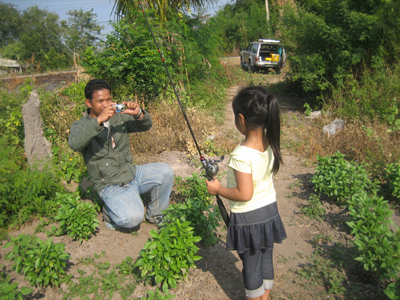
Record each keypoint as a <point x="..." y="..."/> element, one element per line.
<point x="102" y="8"/>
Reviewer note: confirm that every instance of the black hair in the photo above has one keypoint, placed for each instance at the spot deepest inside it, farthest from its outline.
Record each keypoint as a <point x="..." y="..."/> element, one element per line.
<point x="260" y="109"/>
<point x="95" y="85"/>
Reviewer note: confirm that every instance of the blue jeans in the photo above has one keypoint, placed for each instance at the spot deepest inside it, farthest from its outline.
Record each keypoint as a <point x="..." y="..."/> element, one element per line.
<point x="123" y="203"/>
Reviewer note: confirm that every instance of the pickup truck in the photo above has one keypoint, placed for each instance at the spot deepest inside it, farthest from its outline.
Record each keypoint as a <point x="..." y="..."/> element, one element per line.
<point x="262" y="55"/>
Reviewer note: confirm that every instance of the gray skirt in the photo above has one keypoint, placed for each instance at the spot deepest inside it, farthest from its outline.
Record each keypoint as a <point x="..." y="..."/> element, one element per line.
<point x="255" y="230"/>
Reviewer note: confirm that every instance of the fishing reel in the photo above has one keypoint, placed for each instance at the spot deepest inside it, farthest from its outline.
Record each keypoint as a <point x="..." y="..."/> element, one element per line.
<point x="211" y="167"/>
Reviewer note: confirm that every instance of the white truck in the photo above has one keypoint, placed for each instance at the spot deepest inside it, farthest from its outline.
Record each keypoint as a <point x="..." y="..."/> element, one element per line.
<point x="262" y="55"/>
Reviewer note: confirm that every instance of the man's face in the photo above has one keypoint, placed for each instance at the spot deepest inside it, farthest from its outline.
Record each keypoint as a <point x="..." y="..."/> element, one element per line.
<point x="101" y="99"/>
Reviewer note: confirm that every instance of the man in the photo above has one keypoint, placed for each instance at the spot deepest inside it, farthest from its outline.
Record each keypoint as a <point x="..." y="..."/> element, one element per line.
<point x="102" y="138"/>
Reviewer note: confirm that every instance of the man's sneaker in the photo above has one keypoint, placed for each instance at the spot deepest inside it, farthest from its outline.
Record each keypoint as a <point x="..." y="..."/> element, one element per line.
<point x="158" y="220"/>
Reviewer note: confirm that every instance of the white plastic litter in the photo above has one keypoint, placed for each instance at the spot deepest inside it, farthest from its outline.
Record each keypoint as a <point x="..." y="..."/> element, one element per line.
<point x="334" y="127"/>
<point x="315" y="114"/>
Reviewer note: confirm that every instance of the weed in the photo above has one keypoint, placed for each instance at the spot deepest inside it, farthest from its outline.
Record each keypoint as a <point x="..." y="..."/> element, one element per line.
<point x="197" y="208"/>
<point x="314" y="210"/>
<point x="393" y="179"/>
<point x="86" y="260"/>
<point x="297" y="183"/>
<point x="157" y="295"/>
<point x="322" y="270"/>
<point x="168" y="257"/>
<point x="43" y="263"/>
<point x="378" y="246"/>
<point x="9" y="289"/>
<point x="318" y="238"/>
<point x="334" y="174"/>
<point x="77" y="219"/>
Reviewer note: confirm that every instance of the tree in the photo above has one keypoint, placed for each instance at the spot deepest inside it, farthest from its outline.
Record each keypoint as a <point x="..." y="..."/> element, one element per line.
<point x="81" y="30"/>
<point x="10" y="22"/>
<point x="39" y="33"/>
<point x="164" y="9"/>
<point x="129" y="59"/>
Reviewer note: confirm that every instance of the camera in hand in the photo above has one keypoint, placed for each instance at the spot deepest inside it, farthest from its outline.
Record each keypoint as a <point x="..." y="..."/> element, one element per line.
<point x="120" y="107"/>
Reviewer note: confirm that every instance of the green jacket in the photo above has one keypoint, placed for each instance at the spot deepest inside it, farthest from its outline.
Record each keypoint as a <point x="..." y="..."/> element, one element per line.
<point x="107" y="165"/>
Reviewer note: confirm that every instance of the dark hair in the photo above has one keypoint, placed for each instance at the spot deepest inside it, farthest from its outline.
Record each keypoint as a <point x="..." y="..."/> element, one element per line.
<point x="95" y="85"/>
<point x="260" y="109"/>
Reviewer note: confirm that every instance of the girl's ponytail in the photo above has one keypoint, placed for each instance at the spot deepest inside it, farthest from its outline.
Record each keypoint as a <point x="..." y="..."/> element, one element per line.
<point x="260" y="109"/>
<point x="273" y="131"/>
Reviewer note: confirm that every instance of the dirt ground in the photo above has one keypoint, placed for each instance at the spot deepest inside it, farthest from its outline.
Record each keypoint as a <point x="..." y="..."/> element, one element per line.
<point x="218" y="273"/>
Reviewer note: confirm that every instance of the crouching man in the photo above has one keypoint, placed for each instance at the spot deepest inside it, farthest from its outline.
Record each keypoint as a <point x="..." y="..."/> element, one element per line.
<point x="102" y="138"/>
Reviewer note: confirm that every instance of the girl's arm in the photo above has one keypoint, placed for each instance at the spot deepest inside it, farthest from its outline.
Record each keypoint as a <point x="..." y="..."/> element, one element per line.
<point x="243" y="191"/>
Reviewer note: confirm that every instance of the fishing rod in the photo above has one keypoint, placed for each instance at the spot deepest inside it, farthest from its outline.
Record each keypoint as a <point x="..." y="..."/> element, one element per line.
<point x="210" y="166"/>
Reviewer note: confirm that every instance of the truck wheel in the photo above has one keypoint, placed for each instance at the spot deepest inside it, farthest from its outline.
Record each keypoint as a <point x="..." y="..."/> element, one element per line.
<point x="241" y="63"/>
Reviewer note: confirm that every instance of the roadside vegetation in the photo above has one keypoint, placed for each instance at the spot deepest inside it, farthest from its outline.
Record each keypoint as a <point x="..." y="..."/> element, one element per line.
<point x="343" y="60"/>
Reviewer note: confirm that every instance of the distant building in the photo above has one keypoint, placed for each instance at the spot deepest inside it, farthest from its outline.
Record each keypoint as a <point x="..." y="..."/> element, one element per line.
<point x="8" y="65"/>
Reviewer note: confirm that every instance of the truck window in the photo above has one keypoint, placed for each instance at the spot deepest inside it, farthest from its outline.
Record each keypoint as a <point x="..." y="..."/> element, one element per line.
<point x="255" y="48"/>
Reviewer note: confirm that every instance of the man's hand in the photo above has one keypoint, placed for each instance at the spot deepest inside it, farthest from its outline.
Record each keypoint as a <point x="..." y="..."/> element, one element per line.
<point x="133" y="109"/>
<point x="106" y="113"/>
<point x="213" y="186"/>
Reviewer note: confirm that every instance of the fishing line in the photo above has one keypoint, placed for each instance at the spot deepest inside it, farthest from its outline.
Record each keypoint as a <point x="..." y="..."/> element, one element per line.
<point x="210" y="166"/>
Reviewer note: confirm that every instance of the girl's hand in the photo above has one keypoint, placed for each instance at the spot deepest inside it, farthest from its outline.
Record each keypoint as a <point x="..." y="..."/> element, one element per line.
<point x="213" y="186"/>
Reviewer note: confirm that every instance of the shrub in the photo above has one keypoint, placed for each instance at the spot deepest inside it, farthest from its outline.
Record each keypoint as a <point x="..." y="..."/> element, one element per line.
<point x="378" y="246"/>
<point x="196" y="209"/>
<point x="42" y="263"/>
<point x="168" y="257"/>
<point x="77" y="219"/>
<point x="393" y="177"/>
<point x="24" y="192"/>
<point x="339" y="178"/>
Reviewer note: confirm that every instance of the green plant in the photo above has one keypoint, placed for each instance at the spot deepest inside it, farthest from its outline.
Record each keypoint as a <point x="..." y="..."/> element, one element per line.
<point x="197" y="208"/>
<point x="378" y="246"/>
<point x="322" y="270"/>
<point x="341" y="179"/>
<point x="42" y="263"/>
<point x="393" y="177"/>
<point x="24" y="192"/>
<point x="308" y="109"/>
<point x="167" y="258"/>
<point x="77" y="219"/>
<point x="393" y="290"/>
<point x="102" y="285"/>
<point x="10" y="291"/>
<point x="157" y="295"/>
<point x="314" y="210"/>
<point x="69" y="167"/>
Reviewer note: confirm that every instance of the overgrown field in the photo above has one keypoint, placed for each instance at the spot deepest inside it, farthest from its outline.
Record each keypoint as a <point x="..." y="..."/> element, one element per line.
<point x="356" y="170"/>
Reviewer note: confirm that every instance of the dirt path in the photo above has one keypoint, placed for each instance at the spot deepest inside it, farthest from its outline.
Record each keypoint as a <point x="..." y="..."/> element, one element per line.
<point x="218" y="274"/>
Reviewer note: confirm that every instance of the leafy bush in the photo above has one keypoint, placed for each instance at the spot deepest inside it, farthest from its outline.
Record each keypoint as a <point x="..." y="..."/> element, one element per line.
<point x="42" y="263"/>
<point x="9" y="290"/>
<point x="339" y="178"/>
<point x="196" y="208"/>
<point x="378" y="246"/>
<point x="393" y="177"/>
<point x="24" y="192"/>
<point x="77" y="219"/>
<point x="393" y="290"/>
<point x="130" y="58"/>
<point x="168" y="257"/>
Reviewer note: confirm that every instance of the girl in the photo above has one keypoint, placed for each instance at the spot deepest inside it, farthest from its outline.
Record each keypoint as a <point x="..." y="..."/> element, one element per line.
<point x="255" y="223"/>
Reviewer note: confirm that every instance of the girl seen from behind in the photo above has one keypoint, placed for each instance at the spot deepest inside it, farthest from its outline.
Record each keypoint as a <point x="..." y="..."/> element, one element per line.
<point x="255" y="224"/>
